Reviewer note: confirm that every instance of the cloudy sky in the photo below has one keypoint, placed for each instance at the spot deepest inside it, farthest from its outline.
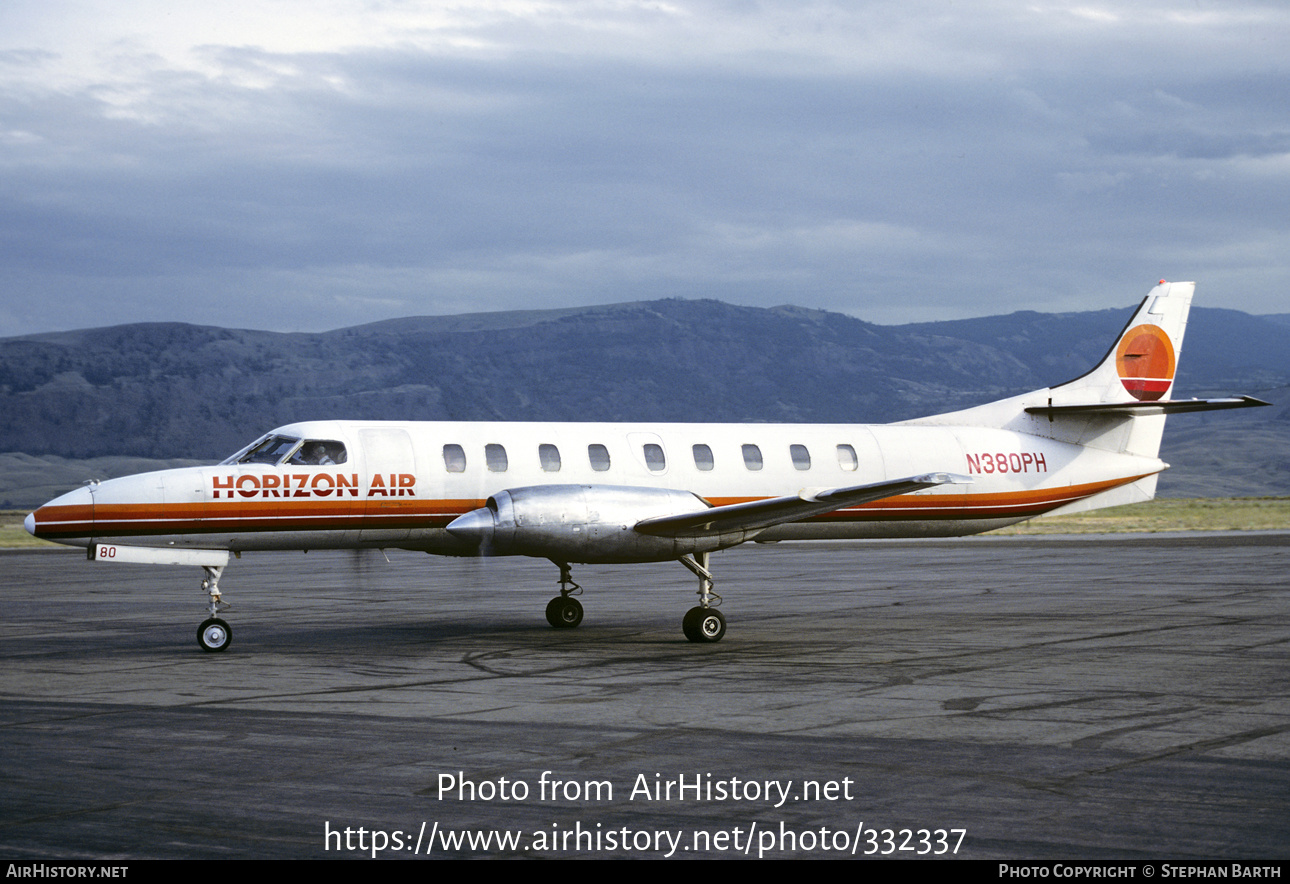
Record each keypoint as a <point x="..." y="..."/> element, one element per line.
<point x="302" y="165"/>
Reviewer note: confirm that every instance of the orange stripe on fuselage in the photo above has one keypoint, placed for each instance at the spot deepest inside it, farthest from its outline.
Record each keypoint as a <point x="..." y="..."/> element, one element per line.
<point x="994" y="505"/>
<point x="118" y="520"/>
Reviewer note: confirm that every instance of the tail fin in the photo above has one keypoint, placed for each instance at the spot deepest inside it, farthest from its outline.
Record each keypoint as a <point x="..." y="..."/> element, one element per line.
<point x="1119" y="405"/>
<point x="1140" y="366"/>
<point x="1138" y="370"/>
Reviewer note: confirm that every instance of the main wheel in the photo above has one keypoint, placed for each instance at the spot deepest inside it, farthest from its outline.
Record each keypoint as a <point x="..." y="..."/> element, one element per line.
<point x="563" y="612"/>
<point x="704" y="625"/>
<point x="214" y="635"/>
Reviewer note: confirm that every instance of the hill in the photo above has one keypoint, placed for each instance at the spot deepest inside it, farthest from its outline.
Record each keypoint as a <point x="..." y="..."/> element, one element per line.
<point x="168" y="390"/>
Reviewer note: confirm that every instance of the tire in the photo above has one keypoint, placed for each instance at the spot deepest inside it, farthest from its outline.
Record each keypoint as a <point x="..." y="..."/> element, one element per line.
<point x="704" y="625"/>
<point x="214" y="635"/>
<point x="563" y="612"/>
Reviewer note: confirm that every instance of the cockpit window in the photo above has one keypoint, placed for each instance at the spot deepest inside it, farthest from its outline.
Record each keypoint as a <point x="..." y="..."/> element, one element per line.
<point x="275" y="449"/>
<point x="270" y="450"/>
<point x="319" y="452"/>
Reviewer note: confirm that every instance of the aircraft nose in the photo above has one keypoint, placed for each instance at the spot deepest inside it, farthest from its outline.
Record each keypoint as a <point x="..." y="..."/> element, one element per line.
<point x="66" y="519"/>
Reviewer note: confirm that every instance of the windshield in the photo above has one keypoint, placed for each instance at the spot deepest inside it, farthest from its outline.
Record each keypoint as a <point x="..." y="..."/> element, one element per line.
<point x="274" y="449"/>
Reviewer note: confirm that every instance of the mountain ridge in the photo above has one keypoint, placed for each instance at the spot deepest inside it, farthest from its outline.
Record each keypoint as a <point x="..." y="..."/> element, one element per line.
<point x="177" y="390"/>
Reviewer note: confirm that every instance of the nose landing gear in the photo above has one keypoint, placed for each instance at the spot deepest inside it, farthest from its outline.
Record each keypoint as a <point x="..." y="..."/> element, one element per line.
<point x="214" y="634"/>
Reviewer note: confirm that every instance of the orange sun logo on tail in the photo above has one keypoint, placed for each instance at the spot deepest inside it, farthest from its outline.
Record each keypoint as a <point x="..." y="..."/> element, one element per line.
<point x="1145" y="360"/>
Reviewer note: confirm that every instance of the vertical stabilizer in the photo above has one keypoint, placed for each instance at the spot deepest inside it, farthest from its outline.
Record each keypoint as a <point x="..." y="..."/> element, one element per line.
<point x="1140" y="365"/>
<point x="1112" y="406"/>
<point x="1119" y="406"/>
<point x="1137" y="370"/>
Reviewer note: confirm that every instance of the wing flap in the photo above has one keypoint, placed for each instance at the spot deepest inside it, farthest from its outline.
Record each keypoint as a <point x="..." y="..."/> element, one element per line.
<point x="757" y="514"/>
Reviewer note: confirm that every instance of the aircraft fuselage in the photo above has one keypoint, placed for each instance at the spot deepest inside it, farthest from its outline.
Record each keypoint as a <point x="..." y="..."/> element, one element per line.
<point x="401" y="484"/>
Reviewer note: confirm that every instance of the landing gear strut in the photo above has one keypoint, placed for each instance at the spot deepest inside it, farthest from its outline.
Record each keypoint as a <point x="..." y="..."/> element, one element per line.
<point x="214" y="634"/>
<point x="564" y="611"/>
<point x="703" y="623"/>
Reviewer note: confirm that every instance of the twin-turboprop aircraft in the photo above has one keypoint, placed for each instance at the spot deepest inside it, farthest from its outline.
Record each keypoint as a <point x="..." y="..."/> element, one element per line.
<point x="621" y="493"/>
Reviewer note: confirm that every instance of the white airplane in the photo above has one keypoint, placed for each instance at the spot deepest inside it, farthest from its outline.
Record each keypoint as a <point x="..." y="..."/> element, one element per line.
<point x="621" y="492"/>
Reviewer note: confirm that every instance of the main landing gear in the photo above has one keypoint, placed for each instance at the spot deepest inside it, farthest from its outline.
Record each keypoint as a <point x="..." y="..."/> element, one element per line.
<point x="214" y="634"/>
<point x="564" y="611"/>
<point x="703" y="623"/>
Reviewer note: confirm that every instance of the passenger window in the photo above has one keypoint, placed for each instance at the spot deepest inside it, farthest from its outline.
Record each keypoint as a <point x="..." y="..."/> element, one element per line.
<point x="752" y="457"/>
<point x="801" y="457"/>
<point x="655" y="460"/>
<point x="847" y="458"/>
<point x="454" y="458"/>
<point x="495" y="457"/>
<point x="549" y="456"/>
<point x="599" y="457"/>
<point x="703" y="457"/>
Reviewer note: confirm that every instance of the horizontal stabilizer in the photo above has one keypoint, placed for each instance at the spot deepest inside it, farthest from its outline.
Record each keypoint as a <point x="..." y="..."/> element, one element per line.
<point x="757" y="514"/>
<point x="1167" y="406"/>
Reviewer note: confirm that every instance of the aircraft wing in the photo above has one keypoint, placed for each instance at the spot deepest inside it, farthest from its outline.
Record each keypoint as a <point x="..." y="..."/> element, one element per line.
<point x="757" y="514"/>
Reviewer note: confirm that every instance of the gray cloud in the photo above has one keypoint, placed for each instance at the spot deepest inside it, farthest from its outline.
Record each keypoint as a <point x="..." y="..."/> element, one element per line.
<point x="899" y="165"/>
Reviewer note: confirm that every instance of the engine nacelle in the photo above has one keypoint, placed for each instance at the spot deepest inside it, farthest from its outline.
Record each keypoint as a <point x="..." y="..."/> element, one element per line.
<point x="582" y="523"/>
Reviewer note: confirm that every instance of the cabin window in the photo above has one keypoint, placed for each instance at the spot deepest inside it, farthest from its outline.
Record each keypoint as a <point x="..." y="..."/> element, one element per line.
<point x="319" y="452"/>
<point x="847" y="458"/>
<point x="752" y="457"/>
<point x="599" y="457"/>
<point x="801" y="457"/>
<point x="655" y="460"/>
<point x="495" y="457"/>
<point x="454" y="458"/>
<point x="549" y="456"/>
<point x="703" y="457"/>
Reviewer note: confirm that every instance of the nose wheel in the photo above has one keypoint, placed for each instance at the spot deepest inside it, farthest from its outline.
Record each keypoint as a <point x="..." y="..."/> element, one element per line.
<point x="214" y="635"/>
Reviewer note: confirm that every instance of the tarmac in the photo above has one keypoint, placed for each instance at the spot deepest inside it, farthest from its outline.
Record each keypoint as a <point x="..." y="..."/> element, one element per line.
<point x="990" y="698"/>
